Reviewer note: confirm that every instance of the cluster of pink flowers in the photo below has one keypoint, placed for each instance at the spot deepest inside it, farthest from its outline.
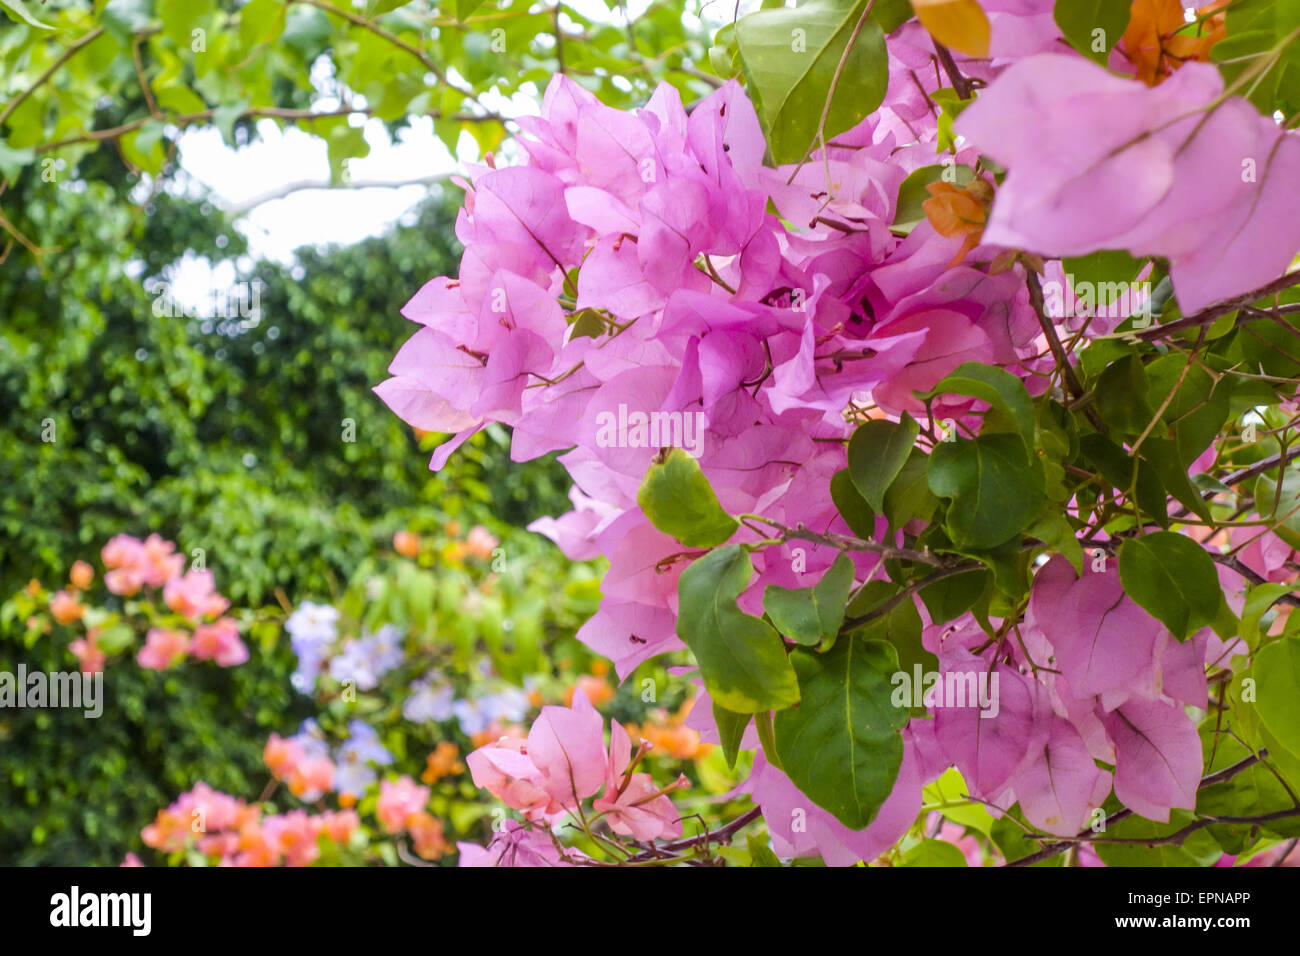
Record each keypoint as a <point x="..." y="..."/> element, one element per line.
<point x="563" y="762"/>
<point x="133" y="564"/>
<point x="403" y="807"/>
<point x="238" y="834"/>
<point x="308" y="773"/>
<point x="629" y="265"/>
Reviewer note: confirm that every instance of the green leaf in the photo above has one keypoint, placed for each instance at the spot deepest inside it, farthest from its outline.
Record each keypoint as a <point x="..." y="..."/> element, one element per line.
<point x="1055" y="531"/>
<point x="123" y="17"/>
<point x="466" y="7"/>
<point x="843" y="745"/>
<point x="910" y="496"/>
<point x="18" y="12"/>
<point x="790" y="57"/>
<point x="1173" y="579"/>
<point x="1255" y="27"/>
<point x="679" y="501"/>
<point x="12" y="161"/>
<point x="952" y="597"/>
<point x="995" y="492"/>
<point x="115" y="639"/>
<point x="900" y="627"/>
<point x="1108" y="272"/>
<point x="1163" y="456"/>
<point x="742" y="659"/>
<point x="891" y="14"/>
<point x="260" y="21"/>
<point x="812" y="615"/>
<point x="1079" y="19"/>
<point x="1254" y="791"/>
<point x="1277" y="671"/>
<point x="877" y="452"/>
<point x="1121" y="396"/>
<point x="853" y="508"/>
<point x="767" y="738"/>
<point x="760" y="853"/>
<point x="1117" y="467"/>
<point x="1282" y="510"/>
<point x="1258" y="601"/>
<point x="909" y="212"/>
<point x="951" y="797"/>
<point x="731" y="730"/>
<point x="998" y="387"/>
<point x="933" y="853"/>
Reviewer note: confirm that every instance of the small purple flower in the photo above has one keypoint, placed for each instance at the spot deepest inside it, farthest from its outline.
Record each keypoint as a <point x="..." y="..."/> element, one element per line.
<point x="354" y="773"/>
<point x="428" y="703"/>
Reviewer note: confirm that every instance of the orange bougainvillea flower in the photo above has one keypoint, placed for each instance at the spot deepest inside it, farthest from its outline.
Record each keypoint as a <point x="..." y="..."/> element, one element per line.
<point x="597" y="690"/>
<point x="66" y="608"/>
<point x="406" y="544"/>
<point x="495" y="731"/>
<point x="427" y="834"/>
<point x="81" y="576"/>
<point x="443" y="762"/>
<point x="1158" y="40"/>
<point x="669" y="735"/>
<point x="958" y="211"/>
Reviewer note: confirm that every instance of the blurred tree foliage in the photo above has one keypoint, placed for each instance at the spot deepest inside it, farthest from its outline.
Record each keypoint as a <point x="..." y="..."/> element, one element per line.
<point x="233" y="440"/>
<point x="262" y="446"/>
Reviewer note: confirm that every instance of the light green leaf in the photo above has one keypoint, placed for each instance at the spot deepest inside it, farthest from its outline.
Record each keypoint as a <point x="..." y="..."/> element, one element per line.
<point x="679" y="501"/>
<point x="19" y="12"/>
<point x="933" y="853"/>
<point x="742" y="660"/>
<point x="790" y="57"/>
<point x="731" y="730"/>
<point x="811" y="615"/>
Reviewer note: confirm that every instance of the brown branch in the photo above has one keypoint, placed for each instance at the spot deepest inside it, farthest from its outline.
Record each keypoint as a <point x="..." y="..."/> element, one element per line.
<point x="67" y="54"/>
<point x="429" y="64"/>
<point x="1054" y="849"/>
<point x="1207" y="316"/>
<point x="960" y="83"/>
<point x="1068" y="376"/>
<point x="271" y="112"/>
<point x="722" y="835"/>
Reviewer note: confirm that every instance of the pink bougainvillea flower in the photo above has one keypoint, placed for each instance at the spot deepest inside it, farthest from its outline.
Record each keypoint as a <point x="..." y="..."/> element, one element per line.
<point x="219" y="642"/>
<point x="632" y="803"/>
<point x="399" y="801"/>
<point x="1189" y="176"/>
<point x="161" y="562"/>
<point x="567" y="746"/>
<point x="519" y="844"/>
<point x="194" y="595"/>
<point x="504" y="769"/>
<point x="163" y="647"/>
